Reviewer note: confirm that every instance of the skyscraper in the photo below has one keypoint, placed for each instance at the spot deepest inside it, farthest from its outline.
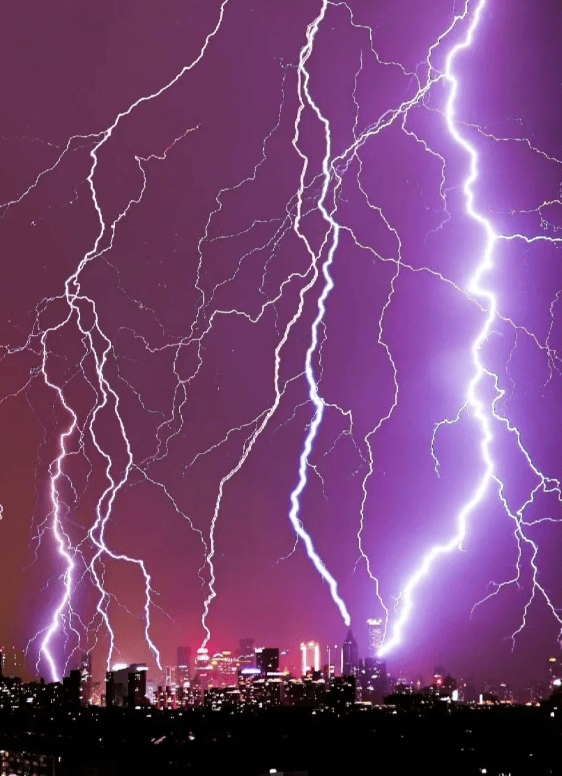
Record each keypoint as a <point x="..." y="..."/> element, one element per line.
<point x="349" y="656"/>
<point x="223" y="667"/>
<point x="183" y="665"/>
<point x="376" y="635"/>
<point x="203" y="667"/>
<point x="310" y="656"/>
<point x="83" y="663"/>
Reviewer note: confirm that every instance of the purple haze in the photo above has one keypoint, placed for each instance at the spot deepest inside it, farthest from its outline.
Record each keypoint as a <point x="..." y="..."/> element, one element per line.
<point x="231" y="118"/>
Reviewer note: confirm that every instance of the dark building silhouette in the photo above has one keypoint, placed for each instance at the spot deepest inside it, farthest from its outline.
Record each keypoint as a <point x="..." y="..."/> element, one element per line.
<point x="341" y="694"/>
<point x="267" y="660"/>
<point x="136" y="686"/>
<point x="350" y="656"/>
<point x="372" y="680"/>
<point x="83" y="664"/>
<point x="71" y="689"/>
<point x="126" y="687"/>
<point x="183" y="665"/>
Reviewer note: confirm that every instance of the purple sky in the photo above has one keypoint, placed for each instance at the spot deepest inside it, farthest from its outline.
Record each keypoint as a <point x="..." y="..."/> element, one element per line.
<point x="192" y="208"/>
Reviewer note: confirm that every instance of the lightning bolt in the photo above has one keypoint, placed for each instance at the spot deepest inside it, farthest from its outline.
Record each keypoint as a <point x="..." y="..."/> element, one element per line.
<point x="82" y="313"/>
<point x="484" y="414"/>
<point x="318" y="197"/>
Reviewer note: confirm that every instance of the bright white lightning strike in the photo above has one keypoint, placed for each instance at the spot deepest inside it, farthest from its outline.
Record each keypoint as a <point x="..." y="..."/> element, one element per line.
<point x="75" y="300"/>
<point x="333" y="230"/>
<point x="477" y="407"/>
<point x="483" y="413"/>
<point x="322" y="196"/>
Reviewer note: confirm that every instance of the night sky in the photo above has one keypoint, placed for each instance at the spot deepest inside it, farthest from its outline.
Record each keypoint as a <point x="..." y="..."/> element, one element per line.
<point x="170" y="201"/>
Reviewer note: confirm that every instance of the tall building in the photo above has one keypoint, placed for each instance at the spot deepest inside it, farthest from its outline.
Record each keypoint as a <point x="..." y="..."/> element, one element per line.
<point x="267" y="660"/>
<point x="349" y="656"/>
<point x="223" y="668"/>
<point x="376" y="635"/>
<point x="83" y="664"/>
<point x="203" y="667"/>
<point x="169" y="676"/>
<point x="247" y="679"/>
<point x="183" y="665"/>
<point x="310" y="657"/>
<point x="125" y="686"/>
<point x="136" y="686"/>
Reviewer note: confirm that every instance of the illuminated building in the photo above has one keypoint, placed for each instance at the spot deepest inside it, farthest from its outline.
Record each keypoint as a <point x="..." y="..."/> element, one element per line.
<point x="188" y="696"/>
<point x="331" y="664"/>
<point x="310" y="656"/>
<point x="152" y="688"/>
<point x="217" y="698"/>
<point x="272" y="690"/>
<point x="376" y="635"/>
<point x="349" y="656"/>
<point x="306" y="691"/>
<point x="223" y="668"/>
<point x="183" y="665"/>
<point x="258" y="689"/>
<point x="166" y="697"/>
<point x="267" y="659"/>
<point x="169" y="676"/>
<point x="329" y="671"/>
<point x="202" y="667"/>
<point x="31" y="763"/>
<point x="263" y="691"/>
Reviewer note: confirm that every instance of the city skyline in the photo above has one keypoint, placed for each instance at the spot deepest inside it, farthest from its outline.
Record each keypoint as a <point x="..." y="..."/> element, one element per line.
<point x="280" y="337"/>
<point x="219" y="667"/>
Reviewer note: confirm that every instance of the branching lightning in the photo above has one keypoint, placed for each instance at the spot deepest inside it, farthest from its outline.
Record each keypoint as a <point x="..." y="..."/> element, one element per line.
<point x="284" y="293"/>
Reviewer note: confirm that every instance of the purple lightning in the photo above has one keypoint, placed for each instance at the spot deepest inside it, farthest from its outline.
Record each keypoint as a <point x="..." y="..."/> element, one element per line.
<point x="314" y="223"/>
<point x="83" y="313"/>
<point x="483" y="413"/>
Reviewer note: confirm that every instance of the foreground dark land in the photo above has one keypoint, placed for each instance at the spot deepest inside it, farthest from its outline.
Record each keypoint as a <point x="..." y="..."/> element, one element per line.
<point x="444" y="739"/>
